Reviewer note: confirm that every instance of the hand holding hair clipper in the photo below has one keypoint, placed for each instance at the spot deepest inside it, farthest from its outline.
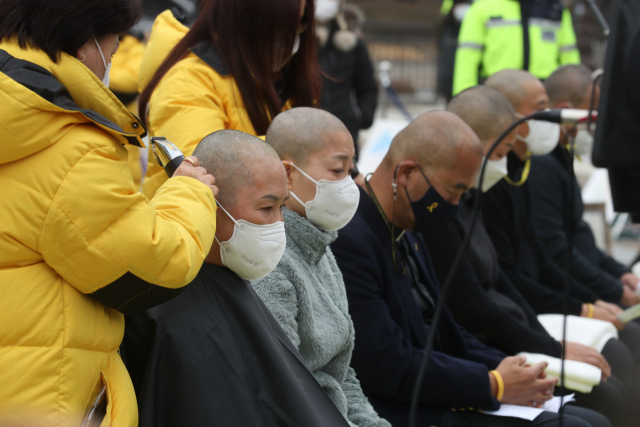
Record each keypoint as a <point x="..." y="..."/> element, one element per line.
<point x="175" y="164"/>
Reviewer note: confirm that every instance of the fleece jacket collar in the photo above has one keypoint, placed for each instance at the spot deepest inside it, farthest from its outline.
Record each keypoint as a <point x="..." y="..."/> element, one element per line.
<point x="311" y="241"/>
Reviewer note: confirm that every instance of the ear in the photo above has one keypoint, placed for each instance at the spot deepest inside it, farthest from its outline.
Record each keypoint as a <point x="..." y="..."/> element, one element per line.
<point x="288" y="168"/>
<point x="403" y="172"/>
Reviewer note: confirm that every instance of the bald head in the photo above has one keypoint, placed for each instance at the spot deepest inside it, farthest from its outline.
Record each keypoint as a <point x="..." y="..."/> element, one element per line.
<point x="485" y="110"/>
<point x="231" y="156"/>
<point x="569" y="83"/>
<point x="512" y="84"/>
<point x="435" y="139"/>
<point x="299" y="132"/>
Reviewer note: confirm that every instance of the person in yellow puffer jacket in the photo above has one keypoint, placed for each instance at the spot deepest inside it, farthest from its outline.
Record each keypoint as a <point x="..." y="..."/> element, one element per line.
<point x="241" y="63"/>
<point x="79" y="246"/>
<point x="125" y="69"/>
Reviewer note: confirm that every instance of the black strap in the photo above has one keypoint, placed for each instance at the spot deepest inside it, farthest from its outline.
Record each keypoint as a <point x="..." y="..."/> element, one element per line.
<point x="130" y="294"/>
<point x="526" y="43"/>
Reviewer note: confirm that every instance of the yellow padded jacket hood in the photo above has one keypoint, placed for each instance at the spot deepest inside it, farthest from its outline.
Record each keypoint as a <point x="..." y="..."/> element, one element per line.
<point x="79" y="245"/>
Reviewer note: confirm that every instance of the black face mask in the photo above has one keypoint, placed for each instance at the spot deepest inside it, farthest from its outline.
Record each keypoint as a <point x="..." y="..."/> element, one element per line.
<point x="432" y="210"/>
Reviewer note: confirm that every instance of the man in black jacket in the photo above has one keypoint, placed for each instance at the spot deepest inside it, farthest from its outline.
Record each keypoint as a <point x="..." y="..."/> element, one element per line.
<point x="348" y="74"/>
<point x="550" y="179"/>
<point x="483" y="299"/>
<point x="507" y="215"/>
<point x="392" y="290"/>
<point x="214" y="355"/>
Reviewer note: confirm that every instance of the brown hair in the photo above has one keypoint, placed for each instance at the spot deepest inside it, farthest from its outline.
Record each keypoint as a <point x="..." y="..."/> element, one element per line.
<point x="250" y="36"/>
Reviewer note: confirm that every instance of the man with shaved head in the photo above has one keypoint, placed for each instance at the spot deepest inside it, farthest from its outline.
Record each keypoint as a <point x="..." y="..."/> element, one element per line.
<point x="550" y="179"/>
<point x="392" y="289"/>
<point x="507" y="211"/>
<point x="570" y="87"/>
<point x="214" y="355"/>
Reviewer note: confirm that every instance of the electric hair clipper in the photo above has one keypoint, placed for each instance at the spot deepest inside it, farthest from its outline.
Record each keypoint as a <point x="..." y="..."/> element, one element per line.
<point x="167" y="154"/>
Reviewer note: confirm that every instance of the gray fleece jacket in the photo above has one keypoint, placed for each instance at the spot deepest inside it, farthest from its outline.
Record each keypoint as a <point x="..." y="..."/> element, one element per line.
<point x="306" y="294"/>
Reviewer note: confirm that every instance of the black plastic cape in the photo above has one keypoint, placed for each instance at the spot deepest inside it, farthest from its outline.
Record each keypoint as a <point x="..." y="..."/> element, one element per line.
<point x="215" y="356"/>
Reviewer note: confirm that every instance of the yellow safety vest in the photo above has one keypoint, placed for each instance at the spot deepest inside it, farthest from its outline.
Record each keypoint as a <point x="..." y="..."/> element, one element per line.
<point x="492" y="39"/>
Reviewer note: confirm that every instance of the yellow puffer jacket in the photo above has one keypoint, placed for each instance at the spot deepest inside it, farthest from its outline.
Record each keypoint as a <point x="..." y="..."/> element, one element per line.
<point x="72" y="224"/>
<point x="196" y="97"/>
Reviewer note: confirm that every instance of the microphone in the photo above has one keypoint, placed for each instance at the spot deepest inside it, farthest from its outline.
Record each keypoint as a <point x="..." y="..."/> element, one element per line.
<point x="167" y="154"/>
<point x="565" y="116"/>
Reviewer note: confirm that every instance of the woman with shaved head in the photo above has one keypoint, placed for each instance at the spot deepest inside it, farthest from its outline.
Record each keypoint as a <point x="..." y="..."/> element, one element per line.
<point x="306" y="292"/>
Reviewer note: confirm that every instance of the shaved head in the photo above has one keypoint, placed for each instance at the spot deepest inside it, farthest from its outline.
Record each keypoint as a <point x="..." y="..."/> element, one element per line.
<point x="569" y="83"/>
<point x="435" y="139"/>
<point x="299" y="132"/>
<point x="511" y="84"/>
<point x="485" y="110"/>
<point x="230" y="156"/>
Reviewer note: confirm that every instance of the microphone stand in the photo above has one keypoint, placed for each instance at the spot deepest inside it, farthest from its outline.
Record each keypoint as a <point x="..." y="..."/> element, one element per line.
<point x="603" y="22"/>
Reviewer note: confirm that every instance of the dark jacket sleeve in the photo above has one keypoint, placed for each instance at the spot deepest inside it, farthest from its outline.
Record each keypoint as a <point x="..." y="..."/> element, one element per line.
<point x="548" y="203"/>
<point x="550" y="272"/>
<point x="385" y="359"/>
<point x="472" y="306"/>
<point x="544" y="298"/>
<point x="585" y="242"/>
<point x="365" y="85"/>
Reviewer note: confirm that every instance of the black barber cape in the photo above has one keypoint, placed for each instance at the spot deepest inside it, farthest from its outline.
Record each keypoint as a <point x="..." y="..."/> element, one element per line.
<point x="215" y="356"/>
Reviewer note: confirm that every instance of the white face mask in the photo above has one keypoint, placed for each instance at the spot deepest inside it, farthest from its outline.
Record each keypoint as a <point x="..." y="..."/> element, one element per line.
<point x="107" y="68"/>
<point x="327" y="10"/>
<point x="495" y="171"/>
<point x="253" y="250"/>
<point x="583" y="143"/>
<point x="335" y="203"/>
<point x="543" y="137"/>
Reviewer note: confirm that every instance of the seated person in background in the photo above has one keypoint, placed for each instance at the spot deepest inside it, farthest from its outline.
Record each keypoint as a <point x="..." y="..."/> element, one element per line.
<point x="214" y="355"/>
<point x="507" y="217"/>
<point x="506" y="212"/>
<point x="483" y="299"/>
<point x="305" y="292"/>
<point x="570" y="87"/>
<point x="392" y="291"/>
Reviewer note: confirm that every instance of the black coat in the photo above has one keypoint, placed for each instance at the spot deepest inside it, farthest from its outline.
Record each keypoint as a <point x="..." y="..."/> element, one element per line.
<point x="391" y="334"/>
<point x="214" y="355"/>
<point x="348" y="74"/>
<point x="507" y="218"/>
<point x="483" y="300"/>
<point x="550" y="179"/>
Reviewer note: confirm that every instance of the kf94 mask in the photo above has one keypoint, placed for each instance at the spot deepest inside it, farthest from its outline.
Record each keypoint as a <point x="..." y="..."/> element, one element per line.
<point x="335" y="203"/>
<point x="543" y="137"/>
<point x="253" y="250"/>
<point x="494" y="172"/>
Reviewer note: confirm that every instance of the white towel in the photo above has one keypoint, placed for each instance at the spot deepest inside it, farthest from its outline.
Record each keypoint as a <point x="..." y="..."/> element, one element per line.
<point x="578" y="376"/>
<point x="590" y="332"/>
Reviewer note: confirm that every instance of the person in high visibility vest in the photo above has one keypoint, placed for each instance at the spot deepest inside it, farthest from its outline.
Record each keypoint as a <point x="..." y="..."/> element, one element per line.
<point x="532" y="35"/>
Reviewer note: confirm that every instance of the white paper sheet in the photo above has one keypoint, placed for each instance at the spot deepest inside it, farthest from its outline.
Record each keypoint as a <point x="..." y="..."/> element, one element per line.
<point x="529" y="413"/>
